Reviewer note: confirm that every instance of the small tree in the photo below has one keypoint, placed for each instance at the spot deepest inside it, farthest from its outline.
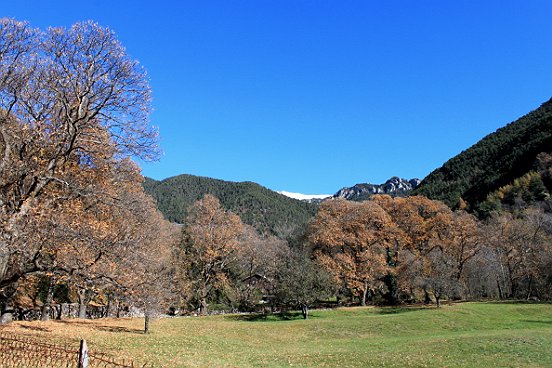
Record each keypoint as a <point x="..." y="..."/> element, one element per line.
<point x="300" y="282"/>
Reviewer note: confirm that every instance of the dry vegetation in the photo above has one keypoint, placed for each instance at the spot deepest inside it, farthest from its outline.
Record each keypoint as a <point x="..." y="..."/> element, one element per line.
<point x="460" y="335"/>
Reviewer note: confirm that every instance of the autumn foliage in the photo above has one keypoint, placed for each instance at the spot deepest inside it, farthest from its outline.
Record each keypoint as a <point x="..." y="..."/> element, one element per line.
<point x="351" y="241"/>
<point x="73" y="111"/>
<point x="413" y="248"/>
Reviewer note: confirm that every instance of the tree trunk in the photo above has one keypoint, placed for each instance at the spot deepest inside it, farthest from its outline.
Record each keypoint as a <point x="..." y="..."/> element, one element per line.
<point x="47" y="306"/>
<point x="8" y="305"/>
<point x="147" y="322"/>
<point x="393" y="293"/>
<point x="82" y="311"/>
<point x="437" y="299"/>
<point x="59" y="311"/>
<point x="500" y="294"/>
<point x="305" y="311"/>
<point x="427" y="298"/>
<point x="108" y="308"/>
<point x="529" y="288"/>
<point x="82" y="303"/>
<point x="364" y="294"/>
<point x="203" y="307"/>
<point x="513" y="285"/>
<point x="513" y="289"/>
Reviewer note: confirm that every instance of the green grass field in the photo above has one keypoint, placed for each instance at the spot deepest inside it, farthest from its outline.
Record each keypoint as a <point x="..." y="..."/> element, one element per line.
<point x="459" y="335"/>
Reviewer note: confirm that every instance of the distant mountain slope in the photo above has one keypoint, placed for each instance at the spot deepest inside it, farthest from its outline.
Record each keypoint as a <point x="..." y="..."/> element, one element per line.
<point x="255" y="204"/>
<point x="394" y="186"/>
<point x="495" y="161"/>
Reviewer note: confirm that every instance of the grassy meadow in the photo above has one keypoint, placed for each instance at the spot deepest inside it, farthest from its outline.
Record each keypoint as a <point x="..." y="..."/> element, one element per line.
<point x="458" y="335"/>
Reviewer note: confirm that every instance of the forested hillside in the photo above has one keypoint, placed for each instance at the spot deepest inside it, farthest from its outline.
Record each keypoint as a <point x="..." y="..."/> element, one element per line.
<point x="265" y="209"/>
<point x="495" y="161"/>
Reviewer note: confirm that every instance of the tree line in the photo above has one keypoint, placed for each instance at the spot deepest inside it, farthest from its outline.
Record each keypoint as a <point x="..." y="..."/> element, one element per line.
<point x="414" y="249"/>
<point x="386" y="250"/>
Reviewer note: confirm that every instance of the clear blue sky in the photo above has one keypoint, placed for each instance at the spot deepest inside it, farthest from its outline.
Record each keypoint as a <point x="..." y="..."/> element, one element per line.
<point x="310" y="96"/>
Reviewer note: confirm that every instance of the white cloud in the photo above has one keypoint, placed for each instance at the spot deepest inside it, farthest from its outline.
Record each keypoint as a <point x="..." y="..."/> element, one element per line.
<point x="301" y="196"/>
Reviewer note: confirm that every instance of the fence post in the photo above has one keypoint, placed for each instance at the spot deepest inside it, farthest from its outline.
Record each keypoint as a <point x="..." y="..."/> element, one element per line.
<point x="83" y="355"/>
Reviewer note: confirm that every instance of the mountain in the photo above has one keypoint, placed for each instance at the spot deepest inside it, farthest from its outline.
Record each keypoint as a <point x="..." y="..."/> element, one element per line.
<point x="394" y="186"/>
<point x="493" y="162"/>
<point x="256" y="205"/>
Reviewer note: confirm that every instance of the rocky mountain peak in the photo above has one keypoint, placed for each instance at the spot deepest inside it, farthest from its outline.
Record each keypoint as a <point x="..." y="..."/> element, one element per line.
<point x="395" y="186"/>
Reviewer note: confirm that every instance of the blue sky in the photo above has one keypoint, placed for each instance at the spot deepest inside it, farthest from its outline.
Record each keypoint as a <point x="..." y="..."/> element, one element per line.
<point x="310" y="96"/>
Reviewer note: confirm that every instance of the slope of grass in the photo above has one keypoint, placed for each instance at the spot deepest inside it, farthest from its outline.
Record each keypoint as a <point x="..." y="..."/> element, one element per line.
<point x="460" y="335"/>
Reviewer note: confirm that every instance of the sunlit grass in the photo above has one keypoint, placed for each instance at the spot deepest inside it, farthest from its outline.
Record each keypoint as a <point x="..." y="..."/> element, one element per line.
<point x="459" y="335"/>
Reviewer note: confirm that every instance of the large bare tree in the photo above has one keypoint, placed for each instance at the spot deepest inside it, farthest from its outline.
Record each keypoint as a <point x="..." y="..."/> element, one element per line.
<point x="72" y="103"/>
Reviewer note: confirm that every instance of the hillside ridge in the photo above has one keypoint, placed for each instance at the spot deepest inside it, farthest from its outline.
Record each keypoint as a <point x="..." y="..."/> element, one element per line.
<point x="266" y="210"/>
<point x="496" y="160"/>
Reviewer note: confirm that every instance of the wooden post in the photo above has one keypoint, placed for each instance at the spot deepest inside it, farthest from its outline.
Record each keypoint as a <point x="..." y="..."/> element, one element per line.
<point x="83" y="355"/>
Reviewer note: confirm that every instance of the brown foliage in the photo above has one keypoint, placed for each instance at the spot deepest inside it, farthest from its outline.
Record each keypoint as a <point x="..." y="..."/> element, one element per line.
<point x="73" y="108"/>
<point x="419" y="242"/>
<point x="350" y="240"/>
<point x="211" y="241"/>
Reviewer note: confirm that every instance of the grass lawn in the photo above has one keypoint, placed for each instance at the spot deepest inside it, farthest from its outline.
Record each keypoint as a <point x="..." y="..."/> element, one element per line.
<point x="458" y="335"/>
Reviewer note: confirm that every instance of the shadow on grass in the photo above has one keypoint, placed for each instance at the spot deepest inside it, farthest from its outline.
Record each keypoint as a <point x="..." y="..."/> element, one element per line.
<point x="400" y="310"/>
<point x="549" y="322"/>
<point x="269" y="317"/>
<point x="523" y="301"/>
<point x="290" y="316"/>
<point x="106" y="328"/>
<point x="120" y="329"/>
<point x="35" y="328"/>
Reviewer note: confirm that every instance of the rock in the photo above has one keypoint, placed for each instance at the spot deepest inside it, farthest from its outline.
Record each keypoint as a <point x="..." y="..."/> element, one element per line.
<point x="395" y="187"/>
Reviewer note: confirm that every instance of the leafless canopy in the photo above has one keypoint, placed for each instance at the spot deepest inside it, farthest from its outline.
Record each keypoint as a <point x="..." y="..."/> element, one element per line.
<point x="63" y="82"/>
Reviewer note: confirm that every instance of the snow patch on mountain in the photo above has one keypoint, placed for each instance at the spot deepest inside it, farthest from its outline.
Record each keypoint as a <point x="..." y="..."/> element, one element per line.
<point x="304" y="197"/>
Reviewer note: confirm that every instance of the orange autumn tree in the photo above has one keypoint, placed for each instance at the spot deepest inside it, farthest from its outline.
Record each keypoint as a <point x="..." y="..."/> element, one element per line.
<point x="432" y="244"/>
<point x="423" y="228"/>
<point x="108" y="245"/>
<point x="210" y="245"/>
<point x="350" y="240"/>
<point x="465" y="236"/>
<point x="406" y="244"/>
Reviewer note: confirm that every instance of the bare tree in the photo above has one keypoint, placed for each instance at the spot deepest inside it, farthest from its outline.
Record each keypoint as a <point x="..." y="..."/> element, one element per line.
<point x="521" y="245"/>
<point x="257" y="266"/>
<point x="71" y="100"/>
